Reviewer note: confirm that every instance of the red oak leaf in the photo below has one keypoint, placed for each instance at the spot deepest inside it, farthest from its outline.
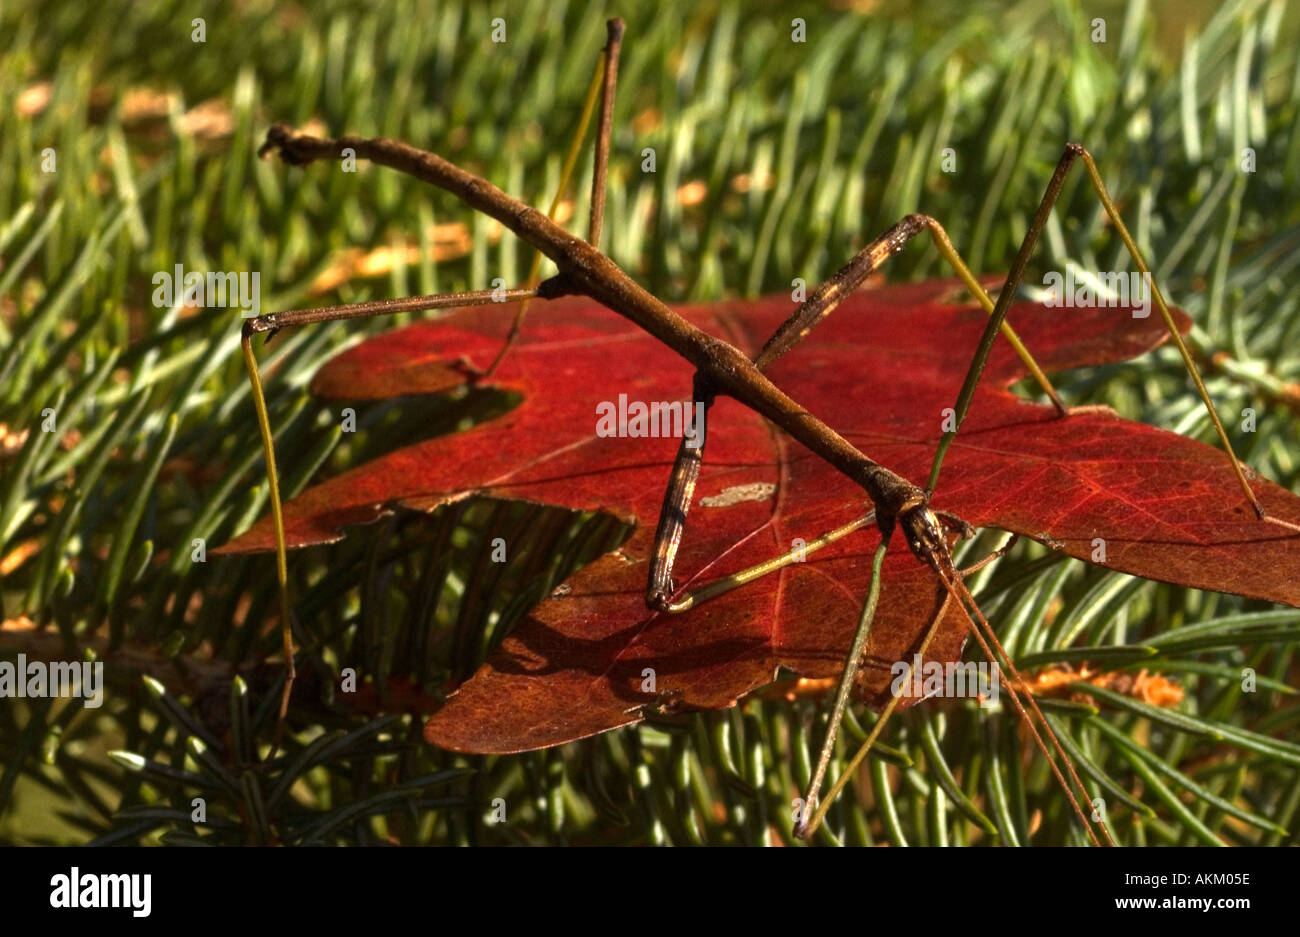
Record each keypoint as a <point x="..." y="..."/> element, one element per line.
<point x="880" y="370"/>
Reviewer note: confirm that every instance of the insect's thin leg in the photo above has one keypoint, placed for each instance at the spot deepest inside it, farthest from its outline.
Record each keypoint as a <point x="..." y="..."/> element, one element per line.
<point x="672" y="524"/>
<point x="722" y="586"/>
<point x="956" y="589"/>
<point x="804" y="830"/>
<point x="1014" y="276"/>
<point x="604" y="80"/>
<point x="274" y="321"/>
<point x="281" y="551"/>
<point x="1072" y="152"/>
<point x="976" y="369"/>
<point x="1100" y="187"/>
<point x="849" y="277"/>
<point x="271" y="323"/>
<point x="845" y="689"/>
<point x="614" y="29"/>
<point x="677" y="502"/>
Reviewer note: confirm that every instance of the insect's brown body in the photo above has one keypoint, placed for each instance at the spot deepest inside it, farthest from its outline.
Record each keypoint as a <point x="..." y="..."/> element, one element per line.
<point x="584" y="269"/>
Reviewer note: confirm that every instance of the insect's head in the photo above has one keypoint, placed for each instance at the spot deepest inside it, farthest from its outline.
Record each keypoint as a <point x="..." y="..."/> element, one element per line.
<point x="927" y="532"/>
<point x="924" y="533"/>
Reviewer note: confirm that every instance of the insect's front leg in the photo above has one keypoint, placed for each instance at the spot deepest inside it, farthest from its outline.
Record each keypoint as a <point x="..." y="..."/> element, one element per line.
<point x="899" y="497"/>
<point x="923" y="528"/>
<point x="677" y="503"/>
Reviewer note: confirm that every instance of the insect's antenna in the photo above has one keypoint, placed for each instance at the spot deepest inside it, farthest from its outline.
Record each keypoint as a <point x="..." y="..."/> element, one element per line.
<point x="1004" y="659"/>
<point x="281" y="549"/>
<point x="603" y="81"/>
<point x="956" y="589"/>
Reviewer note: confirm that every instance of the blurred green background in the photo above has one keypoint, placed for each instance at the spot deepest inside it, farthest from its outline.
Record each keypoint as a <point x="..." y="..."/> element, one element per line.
<point x="775" y="159"/>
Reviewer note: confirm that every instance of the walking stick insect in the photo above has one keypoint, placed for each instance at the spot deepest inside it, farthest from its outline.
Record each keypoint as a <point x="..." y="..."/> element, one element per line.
<point x="724" y="369"/>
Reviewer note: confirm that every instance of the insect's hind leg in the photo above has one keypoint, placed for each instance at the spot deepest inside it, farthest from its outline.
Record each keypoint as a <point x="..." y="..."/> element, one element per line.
<point x="605" y="80"/>
<point x="270" y="324"/>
